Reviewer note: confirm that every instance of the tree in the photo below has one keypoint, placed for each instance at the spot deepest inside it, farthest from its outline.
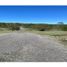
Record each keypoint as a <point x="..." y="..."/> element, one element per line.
<point x="60" y="25"/>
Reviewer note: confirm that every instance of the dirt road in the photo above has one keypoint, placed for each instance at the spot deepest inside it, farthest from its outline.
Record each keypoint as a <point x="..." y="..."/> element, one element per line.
<point x="29" y="47"/>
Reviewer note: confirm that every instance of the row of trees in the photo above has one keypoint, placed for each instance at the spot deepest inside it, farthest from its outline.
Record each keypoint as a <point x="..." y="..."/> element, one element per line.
<point x="10" y="26"/>
<point x="44" y="27"/>
<point x="41" y="27"/>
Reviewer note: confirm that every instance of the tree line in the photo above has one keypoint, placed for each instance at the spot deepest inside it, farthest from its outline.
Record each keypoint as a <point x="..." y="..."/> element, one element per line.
<point x="40" y="27"/>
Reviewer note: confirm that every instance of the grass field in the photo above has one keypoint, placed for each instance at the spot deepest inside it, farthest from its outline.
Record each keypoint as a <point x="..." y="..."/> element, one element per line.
<point x="51" y="33"/>
<point x="4" y="31"/>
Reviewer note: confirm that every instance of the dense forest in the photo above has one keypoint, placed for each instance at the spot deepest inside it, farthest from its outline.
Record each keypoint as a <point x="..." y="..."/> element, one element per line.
<point x="40" y="27"/>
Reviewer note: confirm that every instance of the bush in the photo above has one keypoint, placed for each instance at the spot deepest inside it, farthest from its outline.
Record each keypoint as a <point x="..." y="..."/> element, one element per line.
<point x="15" y="28"/>
<point x="42" y="29"/>
<point x="64" y="29"/>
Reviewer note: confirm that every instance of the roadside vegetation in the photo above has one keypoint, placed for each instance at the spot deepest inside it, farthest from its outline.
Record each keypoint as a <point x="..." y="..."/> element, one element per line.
<point x="58" y="31"/>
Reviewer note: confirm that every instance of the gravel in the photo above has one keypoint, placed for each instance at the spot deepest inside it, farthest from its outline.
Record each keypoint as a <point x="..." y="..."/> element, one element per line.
<point x="29" y="47"/>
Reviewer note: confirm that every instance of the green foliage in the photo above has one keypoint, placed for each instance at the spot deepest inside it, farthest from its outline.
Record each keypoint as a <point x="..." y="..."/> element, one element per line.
<point x="64" y="28"/>
<point x="15" y="28"/>
<point x="10" y="26"/>
<point x="40" y="27"/>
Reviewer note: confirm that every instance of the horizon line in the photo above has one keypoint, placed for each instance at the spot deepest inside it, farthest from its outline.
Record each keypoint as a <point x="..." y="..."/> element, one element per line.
<point x="28" y="22"/>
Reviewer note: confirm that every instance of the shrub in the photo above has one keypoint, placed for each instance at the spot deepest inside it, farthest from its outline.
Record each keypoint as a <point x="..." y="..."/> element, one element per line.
<point x="42" y="29"/>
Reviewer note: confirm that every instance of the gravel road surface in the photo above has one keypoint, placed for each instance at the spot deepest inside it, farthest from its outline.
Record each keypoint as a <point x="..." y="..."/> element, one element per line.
<point x="29" y="47"/>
